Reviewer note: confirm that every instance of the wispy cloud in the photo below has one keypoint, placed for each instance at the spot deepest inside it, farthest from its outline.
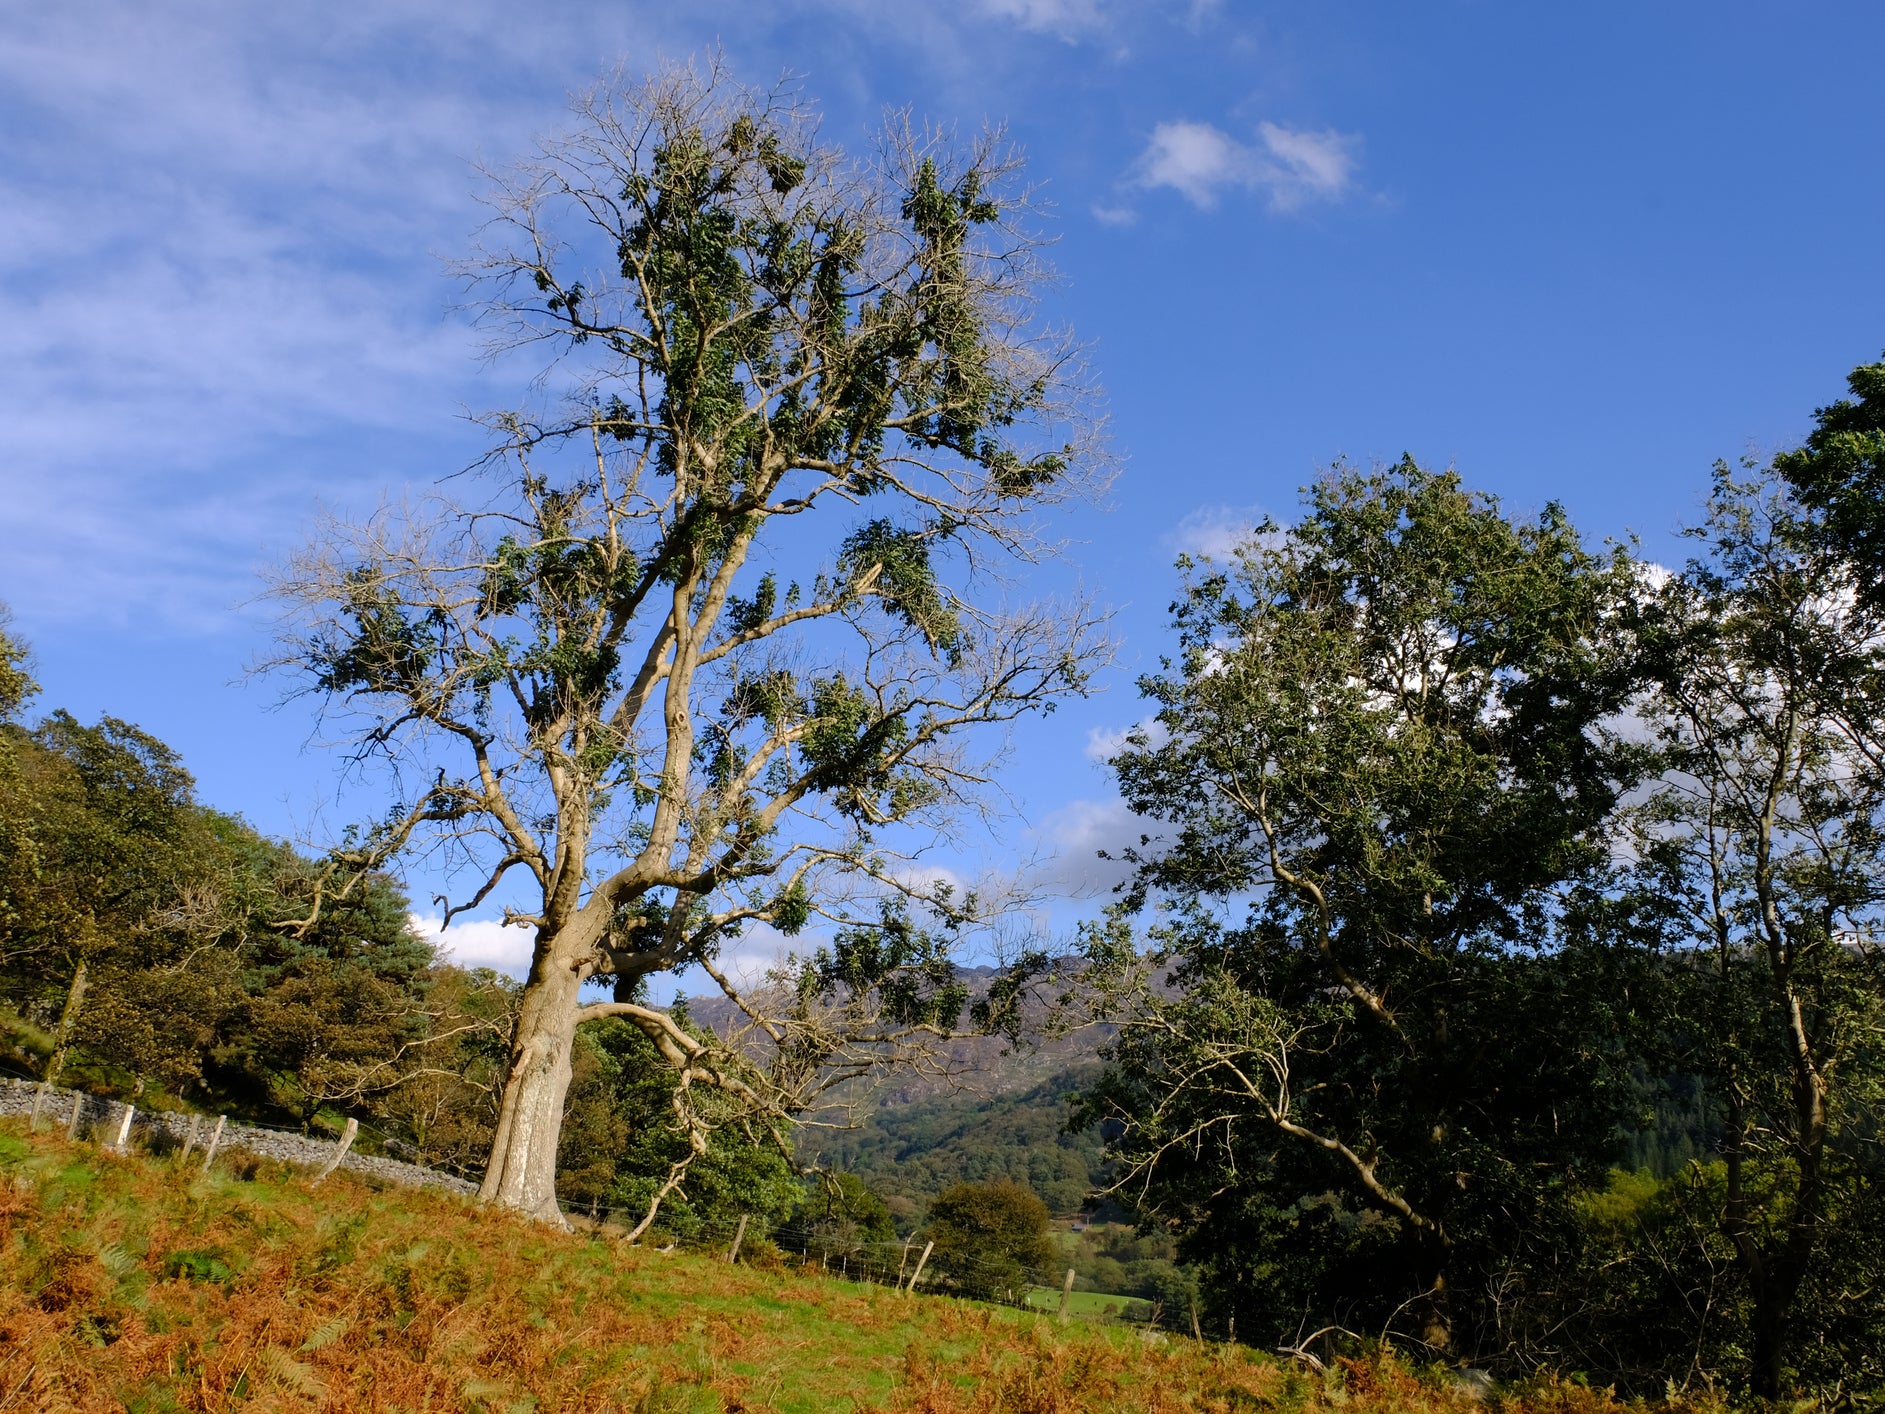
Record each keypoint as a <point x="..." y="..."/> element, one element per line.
<point x="1288" y="167"/>
<point x="1064" y="19"/>
<point x="1215" y="531"/>
<point x="219" y="291"/>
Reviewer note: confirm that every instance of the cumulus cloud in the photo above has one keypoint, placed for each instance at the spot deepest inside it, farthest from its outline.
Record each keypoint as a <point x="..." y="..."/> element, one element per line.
<point x="1104" y="743"/>
<point x="1076" y="833"/>
<point x="478" y="942"/>
<point x="487" y="942"/>
<point x="759" y="948"/>
<point x="1287" y="166"/>
<point x="927" y="878"/>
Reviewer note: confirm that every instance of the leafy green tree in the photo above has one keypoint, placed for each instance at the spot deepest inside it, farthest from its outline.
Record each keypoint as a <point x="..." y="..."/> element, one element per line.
<point x="109" y="887"/>
<point x="1766" y="838"/>
<point x="17" y="684"/>
<point x="842" y="1216"/>
<point x="1839" y="474"/>
<point x="634" y="1144"/>
<point x="152" y="929"/>
<point x="707" y="654"/>
<point x="1371" y="1054"/>
<point x="991" y="1239"/>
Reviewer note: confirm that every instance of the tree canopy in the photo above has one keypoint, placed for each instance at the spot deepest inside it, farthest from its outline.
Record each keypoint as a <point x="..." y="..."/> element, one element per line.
<point x="713" y="644"/>
<point x="1365" y="1036"/>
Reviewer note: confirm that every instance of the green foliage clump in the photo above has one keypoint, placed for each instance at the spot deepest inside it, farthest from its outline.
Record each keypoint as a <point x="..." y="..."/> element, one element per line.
<point x="141" y="931"/>
<point x="621" y="1139"/>
<point x="17" y="685"/>
<point x="1839" y="474"/>
<point x="991" y="1239"/>
<point x="840" y="1216"/>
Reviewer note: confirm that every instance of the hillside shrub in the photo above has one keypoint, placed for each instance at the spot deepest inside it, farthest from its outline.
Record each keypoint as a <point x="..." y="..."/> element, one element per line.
<point x="991" y="1239"/>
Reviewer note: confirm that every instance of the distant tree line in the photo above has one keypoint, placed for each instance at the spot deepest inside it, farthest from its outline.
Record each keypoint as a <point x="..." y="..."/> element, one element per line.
<point x="1477" y="863"/>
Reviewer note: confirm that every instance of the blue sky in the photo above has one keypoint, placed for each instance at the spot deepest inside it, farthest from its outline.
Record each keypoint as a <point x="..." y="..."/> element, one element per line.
<point x="1577" y="251"/>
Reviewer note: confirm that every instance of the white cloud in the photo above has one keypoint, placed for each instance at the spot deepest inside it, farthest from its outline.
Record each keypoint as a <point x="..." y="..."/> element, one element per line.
<point x="217" y="269"/>
<point x="1064" y="19"/>
<point x="1115" y="215"/>
<point x="1214" y="530"/>
<point x="1314" y="164"/>
<point x="1104" y="743"/>
<point x="924" y="878"/>
<point x="1076" y="833"/>
<point x="1287" y="166"/>
<point x="479" y="942"/>
<point x="1200" y="13"/>
<point x="487" y="942"/>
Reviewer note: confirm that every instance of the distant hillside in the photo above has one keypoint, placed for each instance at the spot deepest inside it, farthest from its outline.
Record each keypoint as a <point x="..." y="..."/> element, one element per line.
<point x="912" y="1151"/>
<point x="998" y="1112"/>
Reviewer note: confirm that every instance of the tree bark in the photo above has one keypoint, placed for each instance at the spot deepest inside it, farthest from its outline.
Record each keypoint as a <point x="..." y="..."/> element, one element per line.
<point x="68" y="1022"/>
<point x="521" y="1173"/>
<point x="1776" y="1284"/>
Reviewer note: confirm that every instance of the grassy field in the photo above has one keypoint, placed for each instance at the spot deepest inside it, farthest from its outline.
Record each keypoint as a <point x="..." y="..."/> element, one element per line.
<point x="1079" y="1303"/>
<point x="127" y="1283"/>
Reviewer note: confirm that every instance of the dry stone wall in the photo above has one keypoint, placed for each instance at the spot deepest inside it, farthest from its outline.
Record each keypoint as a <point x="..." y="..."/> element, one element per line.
<point x="163" y="1131"/>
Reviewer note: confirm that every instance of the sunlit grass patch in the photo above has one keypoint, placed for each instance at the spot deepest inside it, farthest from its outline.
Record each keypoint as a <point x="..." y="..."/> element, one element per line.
<point x="133" y="1283"/>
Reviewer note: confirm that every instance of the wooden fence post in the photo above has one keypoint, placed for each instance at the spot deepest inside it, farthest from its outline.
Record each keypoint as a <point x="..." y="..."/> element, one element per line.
<point x="78" y="1109"/>
<point x="189" y="1141"/>
<point x="903" y="1262"/>
<point x="209" y="1154"/>
<point x="1066" y="1293"/>
<point x="921" y="1261"/>
<point x="1196" y="1334"/>
<point x="124" y="1130"/>
<point x="346" y="1142"/>
<point x="39" y="1098"/>
<point x="733" y="1254"/>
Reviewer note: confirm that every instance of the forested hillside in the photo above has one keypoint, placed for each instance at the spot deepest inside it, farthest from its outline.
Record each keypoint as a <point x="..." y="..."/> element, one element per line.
<point x="911" y="1151"/>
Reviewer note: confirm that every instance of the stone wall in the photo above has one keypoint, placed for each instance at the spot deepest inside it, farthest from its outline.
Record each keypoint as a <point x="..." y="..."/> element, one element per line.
<point x="162" y="1131"/>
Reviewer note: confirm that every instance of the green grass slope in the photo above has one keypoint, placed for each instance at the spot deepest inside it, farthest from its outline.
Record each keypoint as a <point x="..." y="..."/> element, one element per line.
<point x="133" y="1283"/>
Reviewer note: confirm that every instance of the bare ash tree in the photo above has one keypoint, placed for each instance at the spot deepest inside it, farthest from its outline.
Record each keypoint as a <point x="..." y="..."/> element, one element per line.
<point x="724" y="635"/>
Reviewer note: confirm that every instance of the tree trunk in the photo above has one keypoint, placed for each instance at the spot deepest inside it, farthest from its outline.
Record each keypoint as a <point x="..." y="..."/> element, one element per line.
<point x="1435" y="1309"/>
<point x="521" y="1173"/>
<point x="1769" y="1350"/>
<point x="68" y="1022"/>
<point x="1782" y="1274"/>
